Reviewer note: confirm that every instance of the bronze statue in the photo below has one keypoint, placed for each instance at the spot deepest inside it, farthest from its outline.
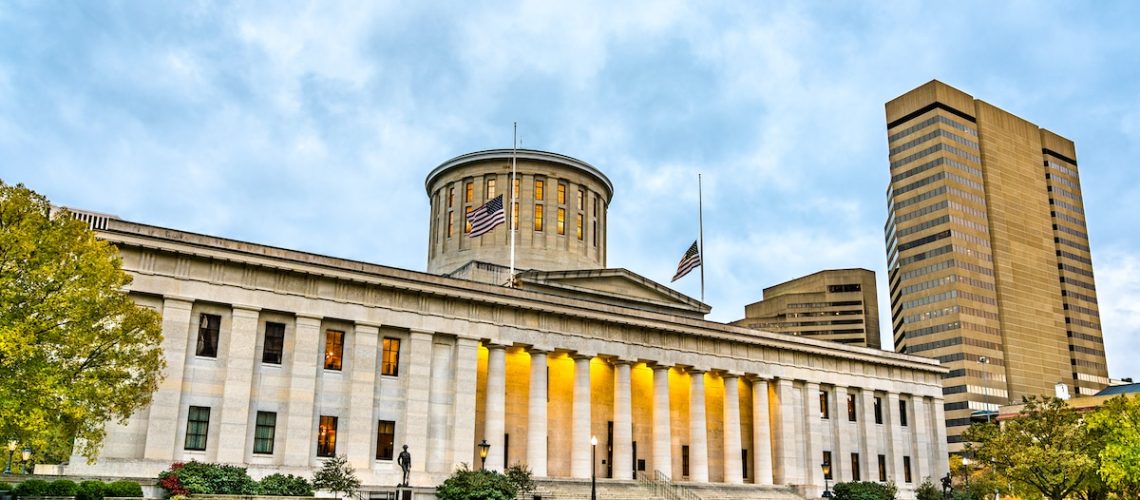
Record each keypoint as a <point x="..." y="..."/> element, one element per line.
<point x="405" y="463"/>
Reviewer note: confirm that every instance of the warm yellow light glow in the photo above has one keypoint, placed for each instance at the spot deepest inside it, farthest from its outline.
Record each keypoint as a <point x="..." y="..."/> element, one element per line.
<point x="12" y="445"/>
<point x="593" y="440"/>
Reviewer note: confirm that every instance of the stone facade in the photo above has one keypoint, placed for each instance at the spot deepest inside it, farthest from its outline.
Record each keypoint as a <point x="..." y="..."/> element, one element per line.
<point x="839" y="305"/>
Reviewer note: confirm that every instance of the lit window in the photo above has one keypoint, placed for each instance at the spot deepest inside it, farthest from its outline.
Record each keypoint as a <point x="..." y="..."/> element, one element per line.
<point x="197" y="424"/>
<point x="538" y="189"/>
<point x="824" y="408"/>
<point x="538" y="217"/>
<point x="467" y="219"/>
<point x="385" y="439"/>
<point x="450" y="223"/>
<point x="274" y="339"/>
<point x="579" y="227"/>
<point x="490" y="189"/>
<point x="390" y="360"/>
<point x="561" y="220"/>
<point x="516" y="187"/>
<point x="208" y="328"/>
<point x="265" y="431"/>
<point x="561" y="193"/>
<point x="515" y="216"/>
<point x="334" y="349"/>
<point x="581" y="199"/>
<point x="469" y="192"/>
<point x="326" y="437"/>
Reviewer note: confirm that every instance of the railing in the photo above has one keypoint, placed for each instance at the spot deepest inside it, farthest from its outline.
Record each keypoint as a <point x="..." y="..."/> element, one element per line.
<point x="662" y="486"/>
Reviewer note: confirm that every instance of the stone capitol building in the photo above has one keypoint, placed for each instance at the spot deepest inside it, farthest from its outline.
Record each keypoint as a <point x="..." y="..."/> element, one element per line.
<point x="278" y="359"/>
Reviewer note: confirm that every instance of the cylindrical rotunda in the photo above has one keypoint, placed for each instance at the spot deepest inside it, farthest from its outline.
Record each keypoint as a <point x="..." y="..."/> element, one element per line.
<point x="560" y="212"/>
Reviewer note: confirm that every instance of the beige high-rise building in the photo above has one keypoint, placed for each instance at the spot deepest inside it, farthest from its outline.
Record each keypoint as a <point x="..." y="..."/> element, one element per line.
<point x="988" y="253"/>
<point x="840" y="305"/>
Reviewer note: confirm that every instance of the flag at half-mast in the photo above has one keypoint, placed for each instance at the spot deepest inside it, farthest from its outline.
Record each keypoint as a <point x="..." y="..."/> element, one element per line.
<point x="691" y="260"/>
<point x="486" y="217"/>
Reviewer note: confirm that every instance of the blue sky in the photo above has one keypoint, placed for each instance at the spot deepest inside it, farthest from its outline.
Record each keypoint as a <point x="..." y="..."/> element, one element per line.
<point x="312" y="125"/>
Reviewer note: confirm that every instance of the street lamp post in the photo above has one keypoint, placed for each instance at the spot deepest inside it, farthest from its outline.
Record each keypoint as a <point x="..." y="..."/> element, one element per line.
<point x="966" y="470"/>
<point x="11" y="450"/>
<point x="593" y="468"/>
<point x="27" y="455"/>
<point x="484" y="447"/>
<point x="826" y="473"/>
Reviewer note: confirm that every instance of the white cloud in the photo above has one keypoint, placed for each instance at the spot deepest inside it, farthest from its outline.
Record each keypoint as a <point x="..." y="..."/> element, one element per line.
<point x="1118" y="291"/>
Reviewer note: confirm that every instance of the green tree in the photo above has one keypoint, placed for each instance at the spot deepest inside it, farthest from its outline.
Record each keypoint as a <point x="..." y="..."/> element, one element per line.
<point x="1046" y="449"/>
<point x="1117" y="424"/>
<point x="865" y="490"/>
<point x="75" y="350"/>
<point x="466" y="484"/>
<point x="285" y="485"/>
<point x="337" y="476"/>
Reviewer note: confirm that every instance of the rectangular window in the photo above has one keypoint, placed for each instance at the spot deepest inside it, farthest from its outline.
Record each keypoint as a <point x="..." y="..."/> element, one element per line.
<point x="827" y="462"/>
<point x="878" y="410"/>
<point x="264" y="433"/>
<point x="197" y="424"/>
<point x="538" y="217"/>
<point x="385" y="439"/>
<point x="539" y="186"/>
<point x="824" y="407"/>
<point x="209" y="326"/>
<point x="515" y="190"/>
<point x="855" y="467"/>
<point x="744" y="462"/>
<point x="561" y="221"/>
<point x="274" y="339"/>
<point x="561" y="193"/>
<point x="515" y="216"/>
<point x="851" y="414"/>
<point x="902" y="413"/>
<point x="883" y="468"/>
<point x="450" y="223"/>
<point x="326" y="437"/>
<point x="450" y="196"/>
<point x="469" y="192"/>
<point x="685" y="460"/>
<point x="906" y="470"/>
<point x="490" y="191"/>
<point x="334" y="349"/>
<point x="467" y="220"/>
<point x="579" y="229"/>
<point x="581" y="199"/>
<point x="390" y="360"/>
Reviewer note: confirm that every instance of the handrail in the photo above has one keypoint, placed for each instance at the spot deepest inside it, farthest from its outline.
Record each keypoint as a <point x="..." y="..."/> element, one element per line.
<point x="664" y="487"/>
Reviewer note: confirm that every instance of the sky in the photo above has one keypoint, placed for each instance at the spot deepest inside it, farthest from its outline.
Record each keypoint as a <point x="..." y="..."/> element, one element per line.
<point x="312" y="125"/>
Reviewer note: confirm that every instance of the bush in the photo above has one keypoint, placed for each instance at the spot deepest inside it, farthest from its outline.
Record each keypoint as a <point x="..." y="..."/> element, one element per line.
<point x="285" y="485"/>
<point x="61" y="488"/>
<point x="90" y="490"/>
<point x="864" y="490"/>
<point x="123" y="488"/>
<point x="521" y="478"/>
<point x="927" y="491"/>
<point x="32" y="488"/>
<point x="205" y="479"/>
<point x="5" y="486"/>
<point x="466" y="484"/>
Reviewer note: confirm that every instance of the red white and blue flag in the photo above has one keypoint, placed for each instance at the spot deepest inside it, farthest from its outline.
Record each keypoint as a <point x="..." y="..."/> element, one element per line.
<point x="691" y="260"/>
<point x="486" y="217"/>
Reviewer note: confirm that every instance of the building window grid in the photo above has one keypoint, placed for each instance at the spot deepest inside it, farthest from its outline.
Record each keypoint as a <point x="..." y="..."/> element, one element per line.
<point x="385" y="439"/>
<point x="326" y="436"/>
<point x="197" y="427"/>
<point x="334" y="349"/>
<point x="390" y="357"/>
<point x="265" y="432"/>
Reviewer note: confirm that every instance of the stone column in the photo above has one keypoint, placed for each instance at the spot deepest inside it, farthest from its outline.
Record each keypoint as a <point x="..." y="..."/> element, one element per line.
<point x="494" y="424"/>
<point x="813" y="436"/>
<point x="580" y="429"/>
<point x="920" y="463"/>
<point x="761" y="433"/>
<point x="698" y="429"/>
<point x="536" y="415"/>
<point x="623" y="421"/>
<point x="941" y="461"/>
<point x="662" y="437"/>
<point x="788" y="465"/>
<point x="463" y="432"/>
<point x="417" y="405"/>
<point x="841" y="440"/>
<point x="439" y="406"/>
<point x="240" y="350"/>
<point x="299" y="442"/>
<point x="162" y="425"/>
<point x="362" y="385"/>
<point x="897" y="446"/>
<point x="733" y="470"/>
<point x="868" y="439"/>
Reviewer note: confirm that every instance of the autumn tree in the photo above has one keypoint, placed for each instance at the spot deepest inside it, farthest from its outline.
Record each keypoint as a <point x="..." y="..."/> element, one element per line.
<point x="1117" y="425"/>
<point x="1046" y="448"/>
<point x="76" y="352"/>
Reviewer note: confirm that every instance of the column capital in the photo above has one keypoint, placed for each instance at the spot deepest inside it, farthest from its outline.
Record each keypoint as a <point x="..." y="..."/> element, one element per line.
<point x="494" y="345"/>
<point x="371" y="324"/>
<point x="582" y="355"/>
<point x="730" y="374"/>
<point x="180" y="301"/>
<point x="312" y="318"/>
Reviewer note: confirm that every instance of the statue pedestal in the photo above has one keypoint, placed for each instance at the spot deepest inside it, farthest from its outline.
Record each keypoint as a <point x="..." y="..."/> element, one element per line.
<point x="403" y="493"/>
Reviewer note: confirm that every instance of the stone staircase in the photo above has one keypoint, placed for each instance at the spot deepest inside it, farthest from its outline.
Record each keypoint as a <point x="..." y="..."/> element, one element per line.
<point x="714" y="491"/>
<point x="657" y="487"/>
<point x="577" y="489"/>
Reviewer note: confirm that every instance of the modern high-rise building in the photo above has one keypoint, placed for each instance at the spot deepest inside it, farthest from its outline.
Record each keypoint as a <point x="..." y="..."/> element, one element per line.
<point x="988" y="253"/>
<point x="840" y="305"/>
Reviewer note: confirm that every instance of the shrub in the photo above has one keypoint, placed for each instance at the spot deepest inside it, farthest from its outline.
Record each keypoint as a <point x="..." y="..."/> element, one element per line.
<point x="927" y="491"/>
<point x="337" y="476"/>
<point x="90" y="490"/>
<point x="285" y="485"/>
<point x="32" y="488"/>
<point x="864" y="490"/>
<point x="123" y="488"/>
<point x="521" y="478"/>
<point x="466" y="484"/>
<point x="5" y="486"/>
<point x="61" y="488"/>
<point x="205" y="479"/>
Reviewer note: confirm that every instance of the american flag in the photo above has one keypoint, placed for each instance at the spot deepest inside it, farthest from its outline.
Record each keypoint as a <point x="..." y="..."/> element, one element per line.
<point x="486" y="217"/>
<point x="690" y="261"/>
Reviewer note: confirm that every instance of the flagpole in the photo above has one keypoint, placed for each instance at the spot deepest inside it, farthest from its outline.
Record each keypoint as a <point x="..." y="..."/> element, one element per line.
<point x="514" y="202"/>
<point x="701" y="225"/>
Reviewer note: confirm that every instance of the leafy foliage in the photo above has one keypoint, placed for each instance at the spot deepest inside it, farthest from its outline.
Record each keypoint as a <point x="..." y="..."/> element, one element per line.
<point x="123" y="488"/>
<point x="1046" y="450"/>
<point x="928" y="491"/>
<point x="202" y="478"/>
<point x="864" y="490"/>
<point x="91" y="490"/>
<point x="32" y="488"/>
<point x="337" y="476"/>
<point x="1117" y="425"/>
<point x="62" y="488"/>
<point x="521" y="478"/>
<point x="75" y="350"/>
<point x="285" y="485"/>
<point x="466" y="484"/>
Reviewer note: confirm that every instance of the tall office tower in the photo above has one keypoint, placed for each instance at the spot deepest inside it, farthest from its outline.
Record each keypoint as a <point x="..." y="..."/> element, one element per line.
<point x="840" y="305"/>
<point x="988" y="254"/>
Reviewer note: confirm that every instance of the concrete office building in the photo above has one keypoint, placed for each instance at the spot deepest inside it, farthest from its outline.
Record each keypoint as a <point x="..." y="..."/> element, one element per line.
<point x="988" y="253"/>
<point x="840" y="305"/>
<point x="279" y="358"/>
